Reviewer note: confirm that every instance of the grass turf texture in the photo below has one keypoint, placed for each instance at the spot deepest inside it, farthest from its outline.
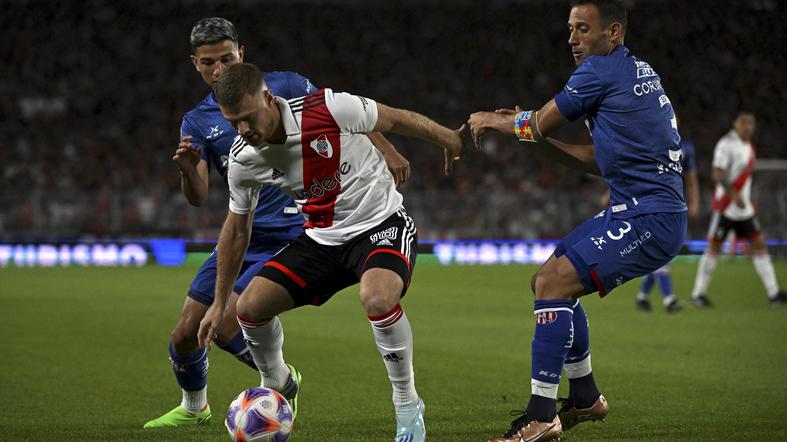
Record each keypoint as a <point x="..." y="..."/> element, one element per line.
<point x="84" y="357"/>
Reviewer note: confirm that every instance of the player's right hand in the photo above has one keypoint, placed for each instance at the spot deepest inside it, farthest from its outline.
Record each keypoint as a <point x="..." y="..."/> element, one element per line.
<point x="453" y="150"/>
<point x="209" y="326"/>
<point x="187" y="157"/>
<point x="736" y="198"/>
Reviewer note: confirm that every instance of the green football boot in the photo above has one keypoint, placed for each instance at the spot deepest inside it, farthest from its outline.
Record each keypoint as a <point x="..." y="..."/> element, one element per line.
<point x="291" y="389"/>
<point x="179" y="417"/>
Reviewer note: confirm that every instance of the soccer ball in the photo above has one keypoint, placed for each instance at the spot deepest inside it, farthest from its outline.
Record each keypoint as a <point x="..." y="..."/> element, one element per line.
<point x="259" y="415"/>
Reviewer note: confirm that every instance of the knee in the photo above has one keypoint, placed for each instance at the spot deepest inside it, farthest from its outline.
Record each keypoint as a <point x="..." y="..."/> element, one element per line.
<point x="378" y="302"/>
<point x="245" y="309"/>
<point x="547" y="286"/>
<point x="533" y="282"/>
<point x="541" y="284"/>
<point x="380" y="291"/>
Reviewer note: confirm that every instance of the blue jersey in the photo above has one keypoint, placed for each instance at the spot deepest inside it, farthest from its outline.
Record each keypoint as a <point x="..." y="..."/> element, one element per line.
<point x="687" y="158"/>
<point x="275" y="213"/>
<point x="634" y="131"/>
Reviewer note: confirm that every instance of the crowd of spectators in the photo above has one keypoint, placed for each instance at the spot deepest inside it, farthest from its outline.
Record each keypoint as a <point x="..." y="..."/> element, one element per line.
<point x="93" y="93"/>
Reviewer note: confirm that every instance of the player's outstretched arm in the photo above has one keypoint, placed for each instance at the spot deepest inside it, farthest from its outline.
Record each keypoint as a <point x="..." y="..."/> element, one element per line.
<point x="412" y="124"/>
<point x="535" y="126"/>
<point x="193" y="171"/>
<point x="397" y="163"/>
<point x="233" y="241"/>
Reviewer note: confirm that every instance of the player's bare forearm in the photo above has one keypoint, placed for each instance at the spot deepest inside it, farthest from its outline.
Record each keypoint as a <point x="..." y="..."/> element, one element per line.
<point x="194" y="187"/>
<point x="719" y="177"/>
<point x="412" y="124"/>
<point x="396" y="162"/>
<point x="193" y="171"/>
<point x="233" y="241"/>
<point x="576" y="156"/>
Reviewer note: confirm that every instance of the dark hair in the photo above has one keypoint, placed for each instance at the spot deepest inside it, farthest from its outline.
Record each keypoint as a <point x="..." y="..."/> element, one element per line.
<point x="610" y="11"/>
<point x="212" y="30"/>
<point x="236" y="82"/>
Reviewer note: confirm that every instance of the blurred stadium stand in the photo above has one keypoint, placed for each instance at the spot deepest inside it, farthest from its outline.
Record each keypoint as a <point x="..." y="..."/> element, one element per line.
<point x="93" y="93"/>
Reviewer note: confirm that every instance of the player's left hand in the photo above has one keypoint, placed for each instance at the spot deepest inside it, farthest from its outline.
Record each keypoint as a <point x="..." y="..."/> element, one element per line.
<point x="508" y="111"/>
<point x="453" y="150"/>
<point x="500" y="120"/>
<point x="398" y="165"/>
<point x="209" y="326"/>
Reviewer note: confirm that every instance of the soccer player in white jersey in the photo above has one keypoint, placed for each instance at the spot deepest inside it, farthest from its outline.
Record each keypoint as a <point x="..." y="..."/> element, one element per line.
<point x="733" y="164"/>
<point x="205" y="145"/>
<point x="356" y="229"/>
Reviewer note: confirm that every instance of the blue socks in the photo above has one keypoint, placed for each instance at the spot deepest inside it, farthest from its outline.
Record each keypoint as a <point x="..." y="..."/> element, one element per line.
<point x="665" y="282"/>
<point x="238" y="348"/>
<point x="191" y="370"/>
<point x="647" y="283"/>
<point x="553" y="339"/>
<point x="582" y="387"/>
<point x="581" y="346"/>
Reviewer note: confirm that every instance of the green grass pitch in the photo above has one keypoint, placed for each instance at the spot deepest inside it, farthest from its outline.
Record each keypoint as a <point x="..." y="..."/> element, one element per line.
<point x="84" y="357"/>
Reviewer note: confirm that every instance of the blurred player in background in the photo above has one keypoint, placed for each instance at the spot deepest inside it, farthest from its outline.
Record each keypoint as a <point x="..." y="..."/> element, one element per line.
<point x="206" y="141"/>
<point x="733" y="164"/>
<point x="312" y="148"/>
<point x="662" y="275"/>
<point x="635" y="149"/>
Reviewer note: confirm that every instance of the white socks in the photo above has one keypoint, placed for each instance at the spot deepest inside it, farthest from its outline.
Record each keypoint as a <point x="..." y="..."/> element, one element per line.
<point x="704" y="272"/>
<point x="265" y="341"/>
<point x="764" y="267"/>
<point x="195" y="401"/>
<point x="394" y="340"/>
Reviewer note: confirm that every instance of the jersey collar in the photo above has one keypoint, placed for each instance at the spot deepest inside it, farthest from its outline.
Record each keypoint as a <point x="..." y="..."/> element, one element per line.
<point x="287" y="118"/>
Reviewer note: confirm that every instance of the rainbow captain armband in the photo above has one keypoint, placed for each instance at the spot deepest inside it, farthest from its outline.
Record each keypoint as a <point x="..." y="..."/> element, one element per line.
<point x="522" y="128"/>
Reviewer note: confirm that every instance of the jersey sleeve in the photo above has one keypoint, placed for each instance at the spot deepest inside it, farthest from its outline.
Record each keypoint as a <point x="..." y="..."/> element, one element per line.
<point x="581" y="94"/>
<point x="353" y="114"/>
<point x="244" y="190"/>
<point x="300" y="85"/>
<point x="187" y="127"/>
<point x="721" y="157"/>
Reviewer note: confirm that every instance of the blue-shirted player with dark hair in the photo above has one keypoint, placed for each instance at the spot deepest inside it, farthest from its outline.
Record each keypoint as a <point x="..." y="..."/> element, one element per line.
<point x="635" y="149"/>
<point x="206" y="138"/>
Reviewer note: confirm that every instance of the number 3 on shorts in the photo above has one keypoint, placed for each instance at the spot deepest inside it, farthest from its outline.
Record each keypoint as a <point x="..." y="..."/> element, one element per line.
<point x="621" y="232"/>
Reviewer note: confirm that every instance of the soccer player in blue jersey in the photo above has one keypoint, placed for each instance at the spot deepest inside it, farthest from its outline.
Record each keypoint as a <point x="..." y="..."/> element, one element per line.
<point x="206" y="140"/>
<point x="635" y="150"/>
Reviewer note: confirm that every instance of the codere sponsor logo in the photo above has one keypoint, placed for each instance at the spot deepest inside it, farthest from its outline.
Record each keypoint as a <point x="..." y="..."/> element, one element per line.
<point x="321" y="187"/>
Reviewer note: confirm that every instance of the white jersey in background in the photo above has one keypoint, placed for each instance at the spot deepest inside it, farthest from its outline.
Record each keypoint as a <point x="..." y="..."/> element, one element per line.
<point x="336" y="176"/>
<point x="736" y="158"/>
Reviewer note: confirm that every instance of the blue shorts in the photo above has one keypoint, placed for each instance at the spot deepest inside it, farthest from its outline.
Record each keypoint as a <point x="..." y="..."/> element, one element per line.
<point x="203" y="286"/>
<point x="607" y="252"/>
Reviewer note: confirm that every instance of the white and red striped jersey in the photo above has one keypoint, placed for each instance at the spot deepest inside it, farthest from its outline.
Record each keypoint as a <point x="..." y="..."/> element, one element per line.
<point x="336" y="176"/>
<point x="736" y="158"/>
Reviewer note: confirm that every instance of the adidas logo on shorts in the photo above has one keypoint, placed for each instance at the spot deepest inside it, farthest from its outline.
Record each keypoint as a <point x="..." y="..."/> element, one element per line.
<point x="383" y="238"/>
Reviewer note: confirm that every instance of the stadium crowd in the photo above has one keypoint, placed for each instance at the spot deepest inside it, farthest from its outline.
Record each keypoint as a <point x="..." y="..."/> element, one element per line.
<point x="93" y="93"/>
